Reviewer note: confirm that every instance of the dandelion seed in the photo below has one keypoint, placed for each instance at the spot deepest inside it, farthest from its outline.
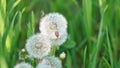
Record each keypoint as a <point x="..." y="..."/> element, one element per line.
<point x="50" y="62"/>
<point x="23" y="65"/>
<point x="54" y="26"/>
<point x="38" y="46"/>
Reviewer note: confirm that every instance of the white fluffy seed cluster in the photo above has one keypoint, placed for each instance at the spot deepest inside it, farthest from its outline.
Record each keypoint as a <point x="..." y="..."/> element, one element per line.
<point x="38" y="46"/>
<point x="53" y="31"/>
<point x="50" y="62"/>
<point x="54" y="26"/>
<point x="23" y="65"/>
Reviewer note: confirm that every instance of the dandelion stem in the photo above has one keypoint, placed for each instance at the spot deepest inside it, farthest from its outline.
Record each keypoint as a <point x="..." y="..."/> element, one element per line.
<point x="53" y="50"/>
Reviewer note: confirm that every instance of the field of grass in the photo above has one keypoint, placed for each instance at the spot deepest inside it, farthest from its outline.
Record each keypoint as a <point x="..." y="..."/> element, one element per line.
<point x="93" y="28"/>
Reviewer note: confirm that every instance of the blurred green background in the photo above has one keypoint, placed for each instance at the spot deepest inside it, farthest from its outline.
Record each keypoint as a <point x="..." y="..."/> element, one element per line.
<point x="93" y="27"/>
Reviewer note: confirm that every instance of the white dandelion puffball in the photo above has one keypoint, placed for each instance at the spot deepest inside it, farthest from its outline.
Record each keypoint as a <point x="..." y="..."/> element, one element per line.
<point x="50" y="62"/>
<point x="54" y="26"/>
<point x="38" y="46"/>
<point x="23" y="65"/>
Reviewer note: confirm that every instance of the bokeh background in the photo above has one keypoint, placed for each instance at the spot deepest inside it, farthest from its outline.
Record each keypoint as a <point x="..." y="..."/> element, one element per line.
<point x="93" y="27"/>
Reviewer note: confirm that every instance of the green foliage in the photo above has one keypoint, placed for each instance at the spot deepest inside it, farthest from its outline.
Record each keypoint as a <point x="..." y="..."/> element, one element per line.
<point x="93" y="27"/>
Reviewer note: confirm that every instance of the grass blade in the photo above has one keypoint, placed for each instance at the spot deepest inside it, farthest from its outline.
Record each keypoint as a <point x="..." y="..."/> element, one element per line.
<point x="31" y="26"/>
<point x="109" y="49"/>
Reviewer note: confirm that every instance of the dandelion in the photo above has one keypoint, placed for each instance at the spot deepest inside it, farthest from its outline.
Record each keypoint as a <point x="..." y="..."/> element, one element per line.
<point x="62" y="55"/>
<point x="50" y="62"/>
<point x="38" y="46"/>
<point x="54" y="26"/>
<point x="23" y="65"/>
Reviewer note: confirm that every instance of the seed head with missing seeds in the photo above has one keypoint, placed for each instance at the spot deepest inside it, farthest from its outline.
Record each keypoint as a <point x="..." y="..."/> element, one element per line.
<point x="38" y="46"/>
<point x="54" y="26"/>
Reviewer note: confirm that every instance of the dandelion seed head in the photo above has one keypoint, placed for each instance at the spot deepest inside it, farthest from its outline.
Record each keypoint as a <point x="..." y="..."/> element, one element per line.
<point x="50" y="62"/>
<point x="23" y="65"/>
<point x="54" y="25"/>
<point x="38" y="46"/>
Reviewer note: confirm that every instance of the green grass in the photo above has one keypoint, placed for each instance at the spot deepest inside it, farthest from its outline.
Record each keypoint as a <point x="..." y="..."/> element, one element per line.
<point x="93" y="27"/>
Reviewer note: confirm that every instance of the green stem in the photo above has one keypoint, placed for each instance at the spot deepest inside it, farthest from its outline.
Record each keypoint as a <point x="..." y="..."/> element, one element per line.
<point x="53" y="50"/>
